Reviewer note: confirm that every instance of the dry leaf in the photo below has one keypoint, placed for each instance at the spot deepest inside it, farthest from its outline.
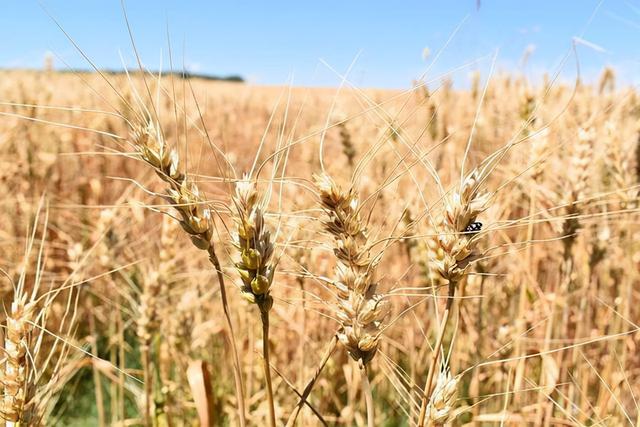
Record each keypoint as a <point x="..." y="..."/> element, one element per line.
<point x="200" y="383"/>
<point x="551" y="373"/>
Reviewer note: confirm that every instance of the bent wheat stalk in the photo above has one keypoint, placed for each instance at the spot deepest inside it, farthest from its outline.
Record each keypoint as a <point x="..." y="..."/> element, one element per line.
<point x="307" y="390"/>
<point x="196" y="219"/>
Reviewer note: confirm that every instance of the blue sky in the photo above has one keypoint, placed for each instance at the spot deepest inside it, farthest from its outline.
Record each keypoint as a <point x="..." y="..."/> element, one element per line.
<point x="274" y="42"/>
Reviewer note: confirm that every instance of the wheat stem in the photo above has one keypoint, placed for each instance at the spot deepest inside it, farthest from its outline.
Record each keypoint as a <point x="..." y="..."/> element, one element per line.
<point x="368" y="396"/>
<point x="264" y="315"/>
<point x="213" y="257"/>
<point x="148" y="385"/>
<point x="96" y="374"/>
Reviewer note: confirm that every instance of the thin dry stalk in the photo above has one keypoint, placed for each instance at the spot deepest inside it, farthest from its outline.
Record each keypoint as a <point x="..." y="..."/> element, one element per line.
<point x="147" y="326"/>
<point x="368" y="396"/>
<point x="266" y="365"/>
<point x="333" y="344"/>
<point x="97" y="381"/>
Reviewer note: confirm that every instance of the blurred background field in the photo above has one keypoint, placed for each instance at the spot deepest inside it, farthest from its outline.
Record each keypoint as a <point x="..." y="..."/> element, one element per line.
<point x="497" y="207"/>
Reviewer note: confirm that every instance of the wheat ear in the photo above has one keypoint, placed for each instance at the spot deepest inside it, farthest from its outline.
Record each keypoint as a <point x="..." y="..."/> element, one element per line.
<point x="440" y="409"/>
<point x="15" y="375"/>
<point x="360" y="309"/>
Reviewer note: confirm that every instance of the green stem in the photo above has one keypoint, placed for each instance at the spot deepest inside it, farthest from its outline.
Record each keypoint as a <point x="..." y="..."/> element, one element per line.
<point x="148" y="385"/>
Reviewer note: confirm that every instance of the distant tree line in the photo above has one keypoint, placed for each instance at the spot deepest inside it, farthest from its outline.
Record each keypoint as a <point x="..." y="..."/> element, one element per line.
<point x="179" y="74"/>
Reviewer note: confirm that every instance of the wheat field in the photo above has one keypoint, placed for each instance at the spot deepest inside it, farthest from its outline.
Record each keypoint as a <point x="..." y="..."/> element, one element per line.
<point x="180" y="252"/>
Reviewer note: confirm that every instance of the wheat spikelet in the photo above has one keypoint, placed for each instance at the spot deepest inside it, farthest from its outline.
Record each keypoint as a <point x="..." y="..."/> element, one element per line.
<point x="539" y="147"/>
<point x="527" y="110"/>
<point x="256" y="265"/>
<point x="475" y="85"/>
<point x="147" y="321"/>
<point x="184" y="195"/>
<point x="408" y="225"/>
<point x="577" y="185"/>
<point x="607" y="81"/>
<point x="580" y="163"/>
<point x="155" y="288"/>
<point x="33" y="371"/>
<point x="348" y="148"/>
<point x="105" y="235"/>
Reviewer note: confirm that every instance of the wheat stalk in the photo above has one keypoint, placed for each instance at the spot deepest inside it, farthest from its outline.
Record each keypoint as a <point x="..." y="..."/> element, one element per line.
<point x="196" y="219"/>
<point x="359" y="309"/>
<point x="452" y="248"/>
<point x="148" y="320"/>
<point x="256" y="265"/>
